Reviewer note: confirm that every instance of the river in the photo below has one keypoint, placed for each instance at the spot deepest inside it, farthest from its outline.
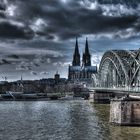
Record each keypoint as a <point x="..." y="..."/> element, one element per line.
<point x="60" y="120"/>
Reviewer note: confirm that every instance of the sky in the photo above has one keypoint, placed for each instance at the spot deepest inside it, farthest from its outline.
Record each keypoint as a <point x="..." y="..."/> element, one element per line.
<point x="37" y="37"/>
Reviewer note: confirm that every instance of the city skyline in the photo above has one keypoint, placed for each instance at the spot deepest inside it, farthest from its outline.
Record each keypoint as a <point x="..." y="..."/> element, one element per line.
<point x="37" y="39"/>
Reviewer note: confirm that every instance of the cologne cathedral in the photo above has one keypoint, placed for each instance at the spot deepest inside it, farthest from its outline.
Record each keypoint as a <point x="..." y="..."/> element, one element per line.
<point x="81" y="71"/>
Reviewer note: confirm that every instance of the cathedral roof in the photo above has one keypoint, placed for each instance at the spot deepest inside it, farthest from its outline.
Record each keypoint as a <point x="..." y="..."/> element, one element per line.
<point x="85" y="68"/>
<point x="75" y="68"/>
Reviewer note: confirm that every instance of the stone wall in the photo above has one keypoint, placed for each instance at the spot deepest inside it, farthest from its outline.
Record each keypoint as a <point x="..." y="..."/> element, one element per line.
<point x="115" y="112"/>
<point x="125" y="112"/>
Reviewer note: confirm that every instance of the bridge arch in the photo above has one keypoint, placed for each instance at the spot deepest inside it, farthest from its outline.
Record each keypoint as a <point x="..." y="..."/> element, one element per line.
<point x="95" y="80"/>
<point x="115" y="67"/>
<point x="135" y="70"/>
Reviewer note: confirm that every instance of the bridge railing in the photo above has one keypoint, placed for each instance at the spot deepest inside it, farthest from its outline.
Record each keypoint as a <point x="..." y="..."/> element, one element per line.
<point x="130" y="89"/>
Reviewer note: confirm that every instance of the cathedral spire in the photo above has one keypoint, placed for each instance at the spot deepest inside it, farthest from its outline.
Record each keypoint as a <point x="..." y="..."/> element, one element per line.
<point x="86" y="48"/>
<point x="76" y="47"/>
<point x="76" y="55"/>
<point x="86" y="55"/>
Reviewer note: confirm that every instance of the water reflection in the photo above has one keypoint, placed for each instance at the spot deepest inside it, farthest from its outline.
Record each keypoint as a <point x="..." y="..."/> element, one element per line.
<point x="60" y="120"/>
<point x="112" y="132"/>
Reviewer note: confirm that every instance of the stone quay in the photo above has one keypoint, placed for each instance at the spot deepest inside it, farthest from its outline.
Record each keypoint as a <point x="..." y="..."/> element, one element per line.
<point x="125" y="111"/>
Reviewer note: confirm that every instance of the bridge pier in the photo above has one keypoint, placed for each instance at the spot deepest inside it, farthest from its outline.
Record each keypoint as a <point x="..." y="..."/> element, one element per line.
<point x="103" y="98"/>
<point x="125" y="111"/>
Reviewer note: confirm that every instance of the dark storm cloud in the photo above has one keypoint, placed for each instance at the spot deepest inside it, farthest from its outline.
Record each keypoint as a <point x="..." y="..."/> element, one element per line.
<point x="128" y="2"/>
<point x="4" y="61"/>
<point x="65" y="19"/>
<point x="2" y="5"/>
<point x="10" y="30"/>
<point x="14" y="56"/>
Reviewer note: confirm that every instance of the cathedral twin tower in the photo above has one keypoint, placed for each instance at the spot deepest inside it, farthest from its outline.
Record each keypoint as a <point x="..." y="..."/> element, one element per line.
<point x="86" y="60"/>
<point x="81" y="72"/>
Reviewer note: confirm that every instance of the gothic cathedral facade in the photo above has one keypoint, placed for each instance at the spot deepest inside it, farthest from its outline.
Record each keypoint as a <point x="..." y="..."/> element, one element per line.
<point x="81" y="71"/>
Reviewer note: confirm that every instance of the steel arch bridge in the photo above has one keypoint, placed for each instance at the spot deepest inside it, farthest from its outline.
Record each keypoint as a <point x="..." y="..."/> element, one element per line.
<point x="119" y="68"/>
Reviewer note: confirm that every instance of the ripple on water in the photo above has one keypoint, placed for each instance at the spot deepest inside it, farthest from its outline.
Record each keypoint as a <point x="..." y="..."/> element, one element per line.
<point x="60" y="120"/>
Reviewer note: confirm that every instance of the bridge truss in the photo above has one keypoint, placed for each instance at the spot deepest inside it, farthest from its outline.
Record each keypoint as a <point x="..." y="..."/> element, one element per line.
<point x="119" y="68"/>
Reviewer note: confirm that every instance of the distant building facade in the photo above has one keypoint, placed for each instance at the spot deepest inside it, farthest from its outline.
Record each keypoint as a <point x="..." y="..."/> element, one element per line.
<point x="81" y="71"/>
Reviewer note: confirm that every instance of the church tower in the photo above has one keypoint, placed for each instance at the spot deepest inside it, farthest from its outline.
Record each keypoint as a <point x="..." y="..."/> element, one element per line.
<point x="78" y="73"/>
<point x="76" y="55"/>
<point x="86" y="55"/>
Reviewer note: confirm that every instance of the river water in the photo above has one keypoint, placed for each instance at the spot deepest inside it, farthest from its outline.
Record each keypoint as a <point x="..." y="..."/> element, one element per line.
<point x="60" y="120"/>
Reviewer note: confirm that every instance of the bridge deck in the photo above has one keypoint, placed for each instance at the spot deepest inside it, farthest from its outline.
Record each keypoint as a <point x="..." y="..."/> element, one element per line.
<point x="116" y="90"/>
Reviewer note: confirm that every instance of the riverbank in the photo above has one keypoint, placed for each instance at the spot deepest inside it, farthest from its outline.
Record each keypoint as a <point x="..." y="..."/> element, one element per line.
<point x="113" y="132"/>
<point x="21" y="96"/>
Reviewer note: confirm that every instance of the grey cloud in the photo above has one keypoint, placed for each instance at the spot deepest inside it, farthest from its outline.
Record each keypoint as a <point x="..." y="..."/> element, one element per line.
<point x="34" y="73"/>
<point x="96" y="58"/>
<point x="2" y="14"/>
<point x="70" y="19"/>
<point x="128" y="2"/>
<point x="2" y="5"/>
<point x="14" y="56"/>
<point x="9" y="30"/>
<point x="4" y="61"/>
<point x="24" y="66"/>
<point x="44" y="73"/>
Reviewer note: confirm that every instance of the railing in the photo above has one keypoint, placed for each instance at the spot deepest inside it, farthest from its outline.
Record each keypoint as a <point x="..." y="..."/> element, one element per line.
<point x="130" y="89"/>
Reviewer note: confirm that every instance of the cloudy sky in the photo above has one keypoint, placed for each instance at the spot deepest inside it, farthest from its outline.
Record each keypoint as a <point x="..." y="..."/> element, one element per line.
<point x="37" y="37"/>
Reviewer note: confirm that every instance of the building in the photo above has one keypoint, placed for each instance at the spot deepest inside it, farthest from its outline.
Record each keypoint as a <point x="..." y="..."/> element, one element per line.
<point x="57" y="77"/>
<point x="81" y="71"/>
